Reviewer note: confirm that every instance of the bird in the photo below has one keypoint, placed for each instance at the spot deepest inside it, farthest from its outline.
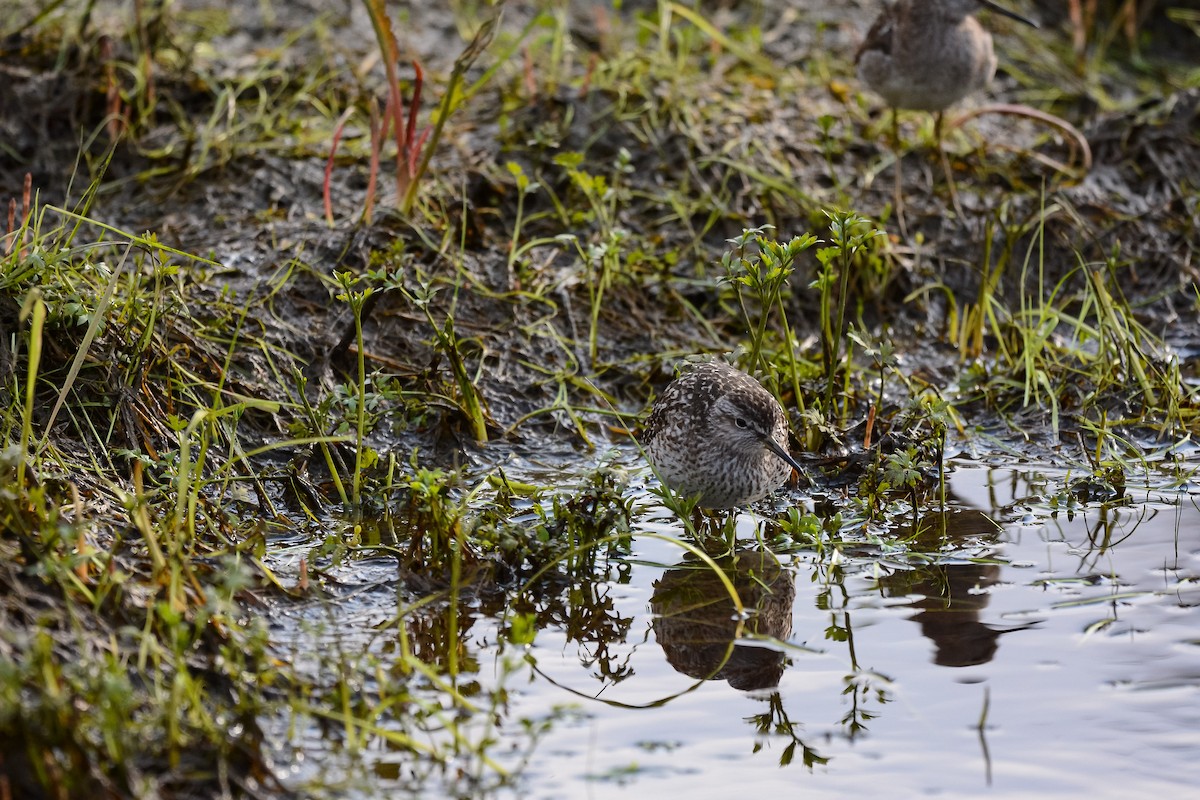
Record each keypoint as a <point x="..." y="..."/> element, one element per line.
<point x="717" y="435"/>
<point x="926" y="55"/>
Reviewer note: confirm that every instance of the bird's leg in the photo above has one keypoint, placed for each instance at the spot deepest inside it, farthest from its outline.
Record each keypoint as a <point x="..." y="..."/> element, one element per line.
<point x="937" y="135"/>
<point x="899" y="189"/>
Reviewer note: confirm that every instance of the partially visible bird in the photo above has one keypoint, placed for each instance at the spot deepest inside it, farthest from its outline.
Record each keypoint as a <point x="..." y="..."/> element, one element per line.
<point x="926" y="55"/>
<point x="717" y="434"/>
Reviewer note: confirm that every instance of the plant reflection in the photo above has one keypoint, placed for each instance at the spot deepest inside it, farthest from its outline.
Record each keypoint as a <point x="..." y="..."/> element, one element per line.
<point x="860" y="684"/>
<point x="587" y="614"/>
<point x="777" y="723"/>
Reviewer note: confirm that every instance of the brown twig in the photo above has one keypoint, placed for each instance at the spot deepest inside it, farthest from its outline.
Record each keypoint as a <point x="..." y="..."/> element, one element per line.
<point x="1070" y="130"/>
<point x="15" y="231"/>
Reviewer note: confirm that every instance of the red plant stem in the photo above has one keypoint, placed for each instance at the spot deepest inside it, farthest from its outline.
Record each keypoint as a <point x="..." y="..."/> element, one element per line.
<point x="870" y="426"/>
<point x="26" y="196"/>
<point x="593" y="60"/>
<point x="412" y="146"/>
<point x="530" y="80"/>
<point x="12" y="226"/>
<point x="603" y="25"/>
<point x="337" y="137"/>
<point x="112" y="91"/>
<point x="1131" y="21"/>
<point x="378" y="133"/>
<point x="396" y="102"/>
<point x="416" y="151"/>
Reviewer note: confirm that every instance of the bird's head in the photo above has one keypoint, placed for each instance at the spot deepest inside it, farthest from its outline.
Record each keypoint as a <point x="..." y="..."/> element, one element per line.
<point x="748" y="422"/>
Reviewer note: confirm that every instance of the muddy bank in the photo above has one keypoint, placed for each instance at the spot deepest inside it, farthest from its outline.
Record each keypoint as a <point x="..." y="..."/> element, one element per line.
<point x="225" y="410"/>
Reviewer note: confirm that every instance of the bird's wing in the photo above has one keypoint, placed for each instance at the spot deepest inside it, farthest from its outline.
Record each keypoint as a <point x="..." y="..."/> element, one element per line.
<point x="879" y="37"/>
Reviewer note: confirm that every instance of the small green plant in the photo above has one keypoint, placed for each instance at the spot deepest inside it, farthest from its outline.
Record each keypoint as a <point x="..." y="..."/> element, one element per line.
<point x="451" y="345"/>
<point x="883" y="356"/>
<point x="391" y="274"/>
<point x="524" y="187"/>
<point x="849" y="234"/>
<point x="759" y="268"/>
<point x="913" y="469"/>
<point x="602" y="253"/>
<point x="357" y="300"/>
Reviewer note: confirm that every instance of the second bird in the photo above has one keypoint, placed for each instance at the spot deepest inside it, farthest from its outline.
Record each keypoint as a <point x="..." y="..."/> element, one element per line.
<point x="717" y="434"/>
<point x="926" y="55"/>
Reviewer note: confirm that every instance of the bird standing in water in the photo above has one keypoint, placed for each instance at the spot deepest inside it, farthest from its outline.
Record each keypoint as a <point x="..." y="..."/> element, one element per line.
<point x="926" y="55"/>
<point x="716" y="433"/>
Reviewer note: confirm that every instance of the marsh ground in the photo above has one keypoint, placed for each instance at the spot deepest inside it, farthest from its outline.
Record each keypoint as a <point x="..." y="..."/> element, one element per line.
<point x="305" y="499"/>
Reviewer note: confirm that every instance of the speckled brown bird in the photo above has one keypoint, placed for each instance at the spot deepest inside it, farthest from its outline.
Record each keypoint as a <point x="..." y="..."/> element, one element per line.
<point x="926" y="55"/>
<point x="717" y="434"/>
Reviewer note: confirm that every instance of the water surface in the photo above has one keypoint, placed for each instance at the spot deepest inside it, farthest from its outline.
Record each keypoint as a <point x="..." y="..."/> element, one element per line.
<point x="1040" y="652"/>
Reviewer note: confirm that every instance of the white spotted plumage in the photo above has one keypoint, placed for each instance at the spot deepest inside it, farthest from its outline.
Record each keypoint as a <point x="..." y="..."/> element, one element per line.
<point x="717" y="434"/>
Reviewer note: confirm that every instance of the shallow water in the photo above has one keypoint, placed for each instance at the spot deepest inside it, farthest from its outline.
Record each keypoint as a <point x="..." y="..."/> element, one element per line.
<point x="1073" y="638"/>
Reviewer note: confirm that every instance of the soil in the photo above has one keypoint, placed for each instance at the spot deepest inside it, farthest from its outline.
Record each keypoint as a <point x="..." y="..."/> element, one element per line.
<point x="225" y="118"/>
<point x="255" y="207"/>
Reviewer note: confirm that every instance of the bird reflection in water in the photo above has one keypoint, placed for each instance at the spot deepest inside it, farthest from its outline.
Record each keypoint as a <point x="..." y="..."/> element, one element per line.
<point x="697" y="626"/>
<point x="951" y="597"/>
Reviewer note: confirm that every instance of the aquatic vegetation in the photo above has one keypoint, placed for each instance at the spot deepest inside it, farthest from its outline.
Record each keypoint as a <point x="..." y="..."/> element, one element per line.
<point x="278" y="480"/>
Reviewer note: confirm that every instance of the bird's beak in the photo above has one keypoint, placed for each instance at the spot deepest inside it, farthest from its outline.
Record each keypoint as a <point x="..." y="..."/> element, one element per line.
<point x="1006" y="12"/>
<point x="782" y="452"/>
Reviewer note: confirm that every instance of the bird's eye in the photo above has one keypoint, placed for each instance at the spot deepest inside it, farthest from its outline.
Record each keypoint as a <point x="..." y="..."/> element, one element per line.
<point x="741" y="423"/>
